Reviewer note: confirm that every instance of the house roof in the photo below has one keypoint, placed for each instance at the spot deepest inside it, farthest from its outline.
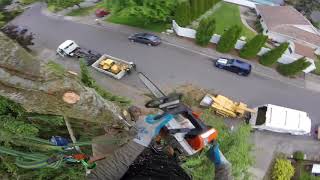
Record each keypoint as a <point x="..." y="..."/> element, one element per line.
<point x="288" y="21"/>
<point x="304" y="51"/>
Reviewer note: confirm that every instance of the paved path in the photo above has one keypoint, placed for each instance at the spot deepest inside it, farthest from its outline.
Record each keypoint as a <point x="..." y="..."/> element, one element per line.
<point x="172" y="64"/>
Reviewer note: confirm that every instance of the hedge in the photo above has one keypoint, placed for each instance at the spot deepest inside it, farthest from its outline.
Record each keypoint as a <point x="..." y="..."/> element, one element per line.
<point x="298" y="155"/>
<point x="293" y="68"/>
<point x="205" y="31"/>
<point x="252" y="47"/>
<point x="229" y="38"/>
<point x="183" y="13"/>
<point x="273" y="55"/>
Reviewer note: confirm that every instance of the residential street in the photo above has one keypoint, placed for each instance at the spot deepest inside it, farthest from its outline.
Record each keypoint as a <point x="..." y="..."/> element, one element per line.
<point x="171" y="66"/>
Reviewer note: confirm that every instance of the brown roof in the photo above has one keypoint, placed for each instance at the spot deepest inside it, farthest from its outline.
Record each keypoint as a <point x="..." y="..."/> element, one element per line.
<point x="298" y="34"/>
<point x="304" y="51"/>
<point x="282" y="19"/>
<point x="274" y="16"/>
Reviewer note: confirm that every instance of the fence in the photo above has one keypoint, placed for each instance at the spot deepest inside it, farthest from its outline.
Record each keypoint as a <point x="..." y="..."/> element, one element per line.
<point x="286" y="58"/>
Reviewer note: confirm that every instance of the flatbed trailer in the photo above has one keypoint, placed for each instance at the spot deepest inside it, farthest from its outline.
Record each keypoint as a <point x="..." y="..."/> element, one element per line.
<point x="126" y="67"/>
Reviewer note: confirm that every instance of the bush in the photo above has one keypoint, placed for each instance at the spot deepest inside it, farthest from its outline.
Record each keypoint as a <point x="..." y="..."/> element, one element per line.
<point x="273" y="55"/>
<point x="205" y="31"/>
<point x="298" y="155"/>
<point x="293" y="68"/>
<point x="252" y="47"/>
<point x="182" y="14"/>
<point x="282" y="170"/>
<point x="229" y="39"/>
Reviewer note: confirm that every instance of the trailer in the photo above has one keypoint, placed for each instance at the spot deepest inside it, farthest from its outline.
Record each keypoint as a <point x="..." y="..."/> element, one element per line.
<point x="106" y="64"/>
<point x="113" y="66"/>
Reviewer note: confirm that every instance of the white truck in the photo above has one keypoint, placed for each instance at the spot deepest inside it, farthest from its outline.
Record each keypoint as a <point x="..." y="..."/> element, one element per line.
<point x="106" y="64"/>
<point x="281" y="119"/>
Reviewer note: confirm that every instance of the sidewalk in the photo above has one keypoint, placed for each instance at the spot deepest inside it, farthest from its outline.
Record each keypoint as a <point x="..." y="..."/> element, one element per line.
<point x="187" y="44"/>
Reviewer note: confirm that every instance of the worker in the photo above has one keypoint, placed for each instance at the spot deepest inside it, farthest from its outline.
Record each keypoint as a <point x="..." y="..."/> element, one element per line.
<point x="115" y="166"/>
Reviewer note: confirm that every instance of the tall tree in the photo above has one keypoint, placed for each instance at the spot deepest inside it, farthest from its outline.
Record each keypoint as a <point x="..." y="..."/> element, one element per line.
<point x="252" y="47"/>
<point x="205" y="31"/>
<point x="293" y="68"/>
<point x="183" y="13"/>
<point x="229" y="38"/>
<point x="273" y="55"/>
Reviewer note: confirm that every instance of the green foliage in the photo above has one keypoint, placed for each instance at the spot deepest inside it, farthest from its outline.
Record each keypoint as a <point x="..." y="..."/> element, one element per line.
<point x="199" y="166"/>
<point x="56" y="68"/>
<point x="88" y="81"/>
<point x="252" y="47"/>
<point x="293" y="68"/>
<point x="205" y="31"/>
<point x="10" y="108"/>
<point x="57" y="5"/>
<point x="317" y="63"/>
<point x="273" y="55"/>
<point x="235" y="145"/>
<point x="282" y="170"/>
<point x="229" y="39"/>
<point x="307" y="176"/>
<point x="298" y="155"/>
<point x="4" y="3"/>
<point x="183" y="13"/>
<point x="86" y="78"/>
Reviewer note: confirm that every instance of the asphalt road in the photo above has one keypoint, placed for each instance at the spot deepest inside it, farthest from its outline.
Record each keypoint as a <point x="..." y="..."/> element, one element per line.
<point x="168" y="65"/>
<point x="171" y="66"/>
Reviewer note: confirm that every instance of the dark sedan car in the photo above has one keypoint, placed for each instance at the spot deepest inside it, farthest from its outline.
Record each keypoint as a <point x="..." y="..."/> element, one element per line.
<point x="233" y="65"/>
<point x="145" y="38"/>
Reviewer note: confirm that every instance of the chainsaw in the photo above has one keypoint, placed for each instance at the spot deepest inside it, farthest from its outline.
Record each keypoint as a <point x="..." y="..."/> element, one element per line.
<point x="186" y="133"/>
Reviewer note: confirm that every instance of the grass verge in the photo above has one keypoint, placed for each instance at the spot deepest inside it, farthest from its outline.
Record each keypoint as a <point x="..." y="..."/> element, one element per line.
<point x="136" y="22"/>
<point x="86" y="11"/>
<point x="228" y="15"/>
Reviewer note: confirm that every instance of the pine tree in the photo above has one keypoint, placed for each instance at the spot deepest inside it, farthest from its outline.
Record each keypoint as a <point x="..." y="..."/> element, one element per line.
<point x="229" y="39"/>
<point x="183" y="13"/>
<point x="273" y="55"/>
<point x="293" y="68"/>
<point x="205" y="31"/>
<point x="252" y="47"/>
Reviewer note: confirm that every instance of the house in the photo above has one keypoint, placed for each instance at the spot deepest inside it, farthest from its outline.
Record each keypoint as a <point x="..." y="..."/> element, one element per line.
<point x="286" y="24"/>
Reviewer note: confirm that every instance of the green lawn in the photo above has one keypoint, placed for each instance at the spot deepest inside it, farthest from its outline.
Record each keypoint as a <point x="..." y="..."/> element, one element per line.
<point x="86" y="11"/>
<point x="135" y="22"/>
<point x="228" y="15"/>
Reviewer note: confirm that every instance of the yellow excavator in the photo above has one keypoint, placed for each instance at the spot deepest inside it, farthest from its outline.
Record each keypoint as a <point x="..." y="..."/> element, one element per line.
<point x="225" y="107"/>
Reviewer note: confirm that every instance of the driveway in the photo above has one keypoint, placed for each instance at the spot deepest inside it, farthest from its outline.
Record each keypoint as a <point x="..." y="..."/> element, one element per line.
<point x="170" y="66"/>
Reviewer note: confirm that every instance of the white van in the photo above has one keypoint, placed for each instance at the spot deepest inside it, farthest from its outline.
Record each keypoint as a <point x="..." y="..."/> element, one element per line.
<point x="281" y="119"/>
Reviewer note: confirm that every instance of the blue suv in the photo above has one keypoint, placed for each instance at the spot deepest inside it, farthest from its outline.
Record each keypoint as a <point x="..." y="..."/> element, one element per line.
<point x="233" y="65"/>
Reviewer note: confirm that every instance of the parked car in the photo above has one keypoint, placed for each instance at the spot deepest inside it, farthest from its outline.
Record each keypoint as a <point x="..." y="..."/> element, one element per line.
<point x="101" y="13"/>
<point x="145" y="38"/>
<point x="233" y="65"/>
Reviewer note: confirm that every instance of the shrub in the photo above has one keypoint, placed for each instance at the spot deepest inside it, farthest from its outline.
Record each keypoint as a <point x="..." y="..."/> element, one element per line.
<point x="182" y="14"/>
<point x="298" y="155"/>
<point x="205" y="31"/>
<point x="229" y="39"/>
<point x="252" y="47"/>
<point x="273" y="55"/>
<point x="282" y="170"/>
<point x="293" y="68"/>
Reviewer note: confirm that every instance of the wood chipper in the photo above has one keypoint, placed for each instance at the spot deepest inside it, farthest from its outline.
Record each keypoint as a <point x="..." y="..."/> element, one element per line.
<point x="225" y="107"/>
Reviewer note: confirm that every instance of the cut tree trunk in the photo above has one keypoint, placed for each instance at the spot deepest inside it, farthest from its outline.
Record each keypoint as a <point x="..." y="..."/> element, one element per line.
<point x="41" y="88"/>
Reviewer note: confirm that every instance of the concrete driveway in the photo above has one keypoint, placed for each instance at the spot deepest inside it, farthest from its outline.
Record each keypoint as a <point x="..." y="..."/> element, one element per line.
<point x="171" y="66"/>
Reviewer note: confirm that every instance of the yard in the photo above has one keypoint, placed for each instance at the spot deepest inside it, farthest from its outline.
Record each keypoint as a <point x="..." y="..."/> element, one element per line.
<point x="86" y="11"/>
<point x="228" y="15"/>
<point x="136" y="22"/>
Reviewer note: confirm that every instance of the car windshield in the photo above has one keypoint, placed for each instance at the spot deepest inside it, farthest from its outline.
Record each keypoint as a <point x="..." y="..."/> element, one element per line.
<point x="230" y="61"/>
<point x="152" y="38"/>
